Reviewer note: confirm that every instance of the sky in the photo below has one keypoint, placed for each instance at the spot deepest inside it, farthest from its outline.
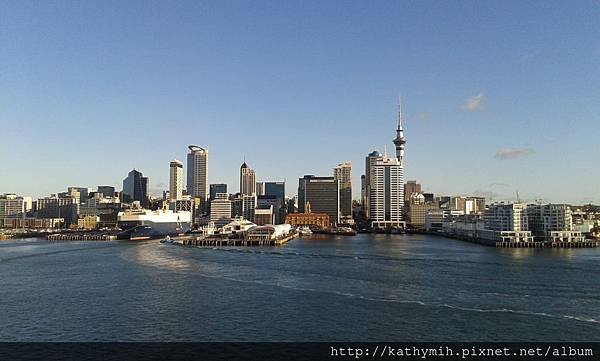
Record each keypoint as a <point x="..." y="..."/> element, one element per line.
<point x="499" y="97"/>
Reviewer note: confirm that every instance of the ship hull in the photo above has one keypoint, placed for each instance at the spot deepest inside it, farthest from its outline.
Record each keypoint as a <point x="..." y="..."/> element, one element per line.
<point x="141" y="230"/>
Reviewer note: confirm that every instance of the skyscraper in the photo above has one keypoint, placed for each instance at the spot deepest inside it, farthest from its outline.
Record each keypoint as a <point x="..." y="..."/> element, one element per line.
<point x="260" y="188"/>
<point x="343" y="173"/>
<point x="135" y="188"/>
<point x="175" y="180"/>
<point x="217" y="188"/>
<point x="276" y="189"/>
<point x="323" y="195"/>
<point x="409" y="188"/>
<point x="385" y="177"/>
<point x="369" y="162"/>
<point x="197" y="174"/>
<point x="247" y="180"/>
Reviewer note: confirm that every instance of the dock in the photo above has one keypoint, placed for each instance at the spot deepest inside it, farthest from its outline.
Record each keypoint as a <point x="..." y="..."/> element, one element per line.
<point x="80" y="237"/>
<point x="212" y="242"/>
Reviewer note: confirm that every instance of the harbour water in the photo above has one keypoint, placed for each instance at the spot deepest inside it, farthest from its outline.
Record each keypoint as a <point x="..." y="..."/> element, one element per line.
<point x="322" y="288"/>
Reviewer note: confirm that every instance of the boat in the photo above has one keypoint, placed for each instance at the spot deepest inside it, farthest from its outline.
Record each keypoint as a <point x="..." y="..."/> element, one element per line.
<point x="167" y="240"/>
<point x="142" y="224"/>
<point x="304" y="231"/>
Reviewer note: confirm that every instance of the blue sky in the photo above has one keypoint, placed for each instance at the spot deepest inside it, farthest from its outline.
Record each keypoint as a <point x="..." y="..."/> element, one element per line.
<point x="499" y="96"/>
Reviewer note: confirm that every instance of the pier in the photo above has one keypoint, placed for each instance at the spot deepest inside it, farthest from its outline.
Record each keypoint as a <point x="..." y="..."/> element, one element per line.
<point x="81" y="237"/>
<point x="233" y="242"/>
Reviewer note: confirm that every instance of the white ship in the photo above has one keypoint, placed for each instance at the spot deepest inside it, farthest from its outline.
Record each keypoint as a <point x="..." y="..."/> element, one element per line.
<point x="138" y="224"/>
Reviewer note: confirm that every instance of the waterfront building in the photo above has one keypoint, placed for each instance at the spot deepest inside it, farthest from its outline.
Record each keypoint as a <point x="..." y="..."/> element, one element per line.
<point x="416" y="214"/>
<point x="12" y="205"/>
<point x="237" y="226"/>
<point x="247" y="180"/>
<point x="468" y="205"/>
<point x="318" y="220"/>
<point x="410" y="188"/>
<point x="88" y="222"/>
<point x="106" y="191"/>
<point x="175" y="180"/>
<point x="506" y="223"/>
<point x="323" y="195"/>
<point x="197" y="175"/>
<point x="260" y="188"/>
<point x="386" y="198"/>
<point x="268" y="232"/>
<point x="135" y="188"/>
<point x="435" y="218"/>
<point x="220" y="209"/>
<point x="56" y="206"/>
<point x="552" y="223"/>
<point x="264" y="215"/>
<point x="31" y="223"/>
<point x="343" y="173"/>
<point x="217" y="188"/>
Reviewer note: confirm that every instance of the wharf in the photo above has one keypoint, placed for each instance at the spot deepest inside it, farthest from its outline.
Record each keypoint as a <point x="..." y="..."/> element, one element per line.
<point x="80" y="237"/>
<point x="209" y="241"/>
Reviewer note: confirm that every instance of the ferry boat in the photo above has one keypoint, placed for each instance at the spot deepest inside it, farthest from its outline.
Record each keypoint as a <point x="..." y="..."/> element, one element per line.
<point x="141" y="224"/>
<point x="304" y="231"/>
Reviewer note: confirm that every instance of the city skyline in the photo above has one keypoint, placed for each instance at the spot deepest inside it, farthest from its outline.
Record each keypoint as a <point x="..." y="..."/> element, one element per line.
<point x="489" y="113"/>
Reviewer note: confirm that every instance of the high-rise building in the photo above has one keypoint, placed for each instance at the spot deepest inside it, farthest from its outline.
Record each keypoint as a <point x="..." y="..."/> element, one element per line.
<point x="175" y="180"/>
<point x="386" y="198"/>
<point x="276" y="189"/>
<point x="217" y="188"/>
<point x="247" y="180"/>
<point x="220" y="209"/>
<point x="343" y="173"/>
<point x="264" y="215"/>
<point x="386" y="184"/>
<point x="135" y="188"/>
<point x="197" y="174"/>
<point x="323" y="195"/>
<point x="84" y="192"/>
<point x="409" y="188"/>
<point x="260" y="188"/>
<point x="369" y="161"/>
<point x="107" y="191"/>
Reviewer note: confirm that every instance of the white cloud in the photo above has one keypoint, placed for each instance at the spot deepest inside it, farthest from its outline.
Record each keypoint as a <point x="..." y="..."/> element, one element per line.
<point x="474" y="103"/>
<point x="513" y="153"/>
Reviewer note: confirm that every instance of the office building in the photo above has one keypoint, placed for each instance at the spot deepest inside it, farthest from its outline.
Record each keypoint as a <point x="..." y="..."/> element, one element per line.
<point x="107" y="191"/>
<point x="82" y="192"/>
<point x="217" y="188"/>
<point x="57" y="206"/>
<point x="260" y="188"/>
<point x="175" y="180"/>
<point x="323" y="195"/>
<point x="369" y="162"/>
<point x="12" y="205"/>
<point x="386" y="198"/>
<point x="135" y="188"/>
<point x="247" y="180"/>
<point x="197" y="175"/>
<point x="343" y="173"/>
<point x="220" y="209"/>
<point x="410" y="188"/>
<point x="264" y="215"/>
<point x="276" y="189"/>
